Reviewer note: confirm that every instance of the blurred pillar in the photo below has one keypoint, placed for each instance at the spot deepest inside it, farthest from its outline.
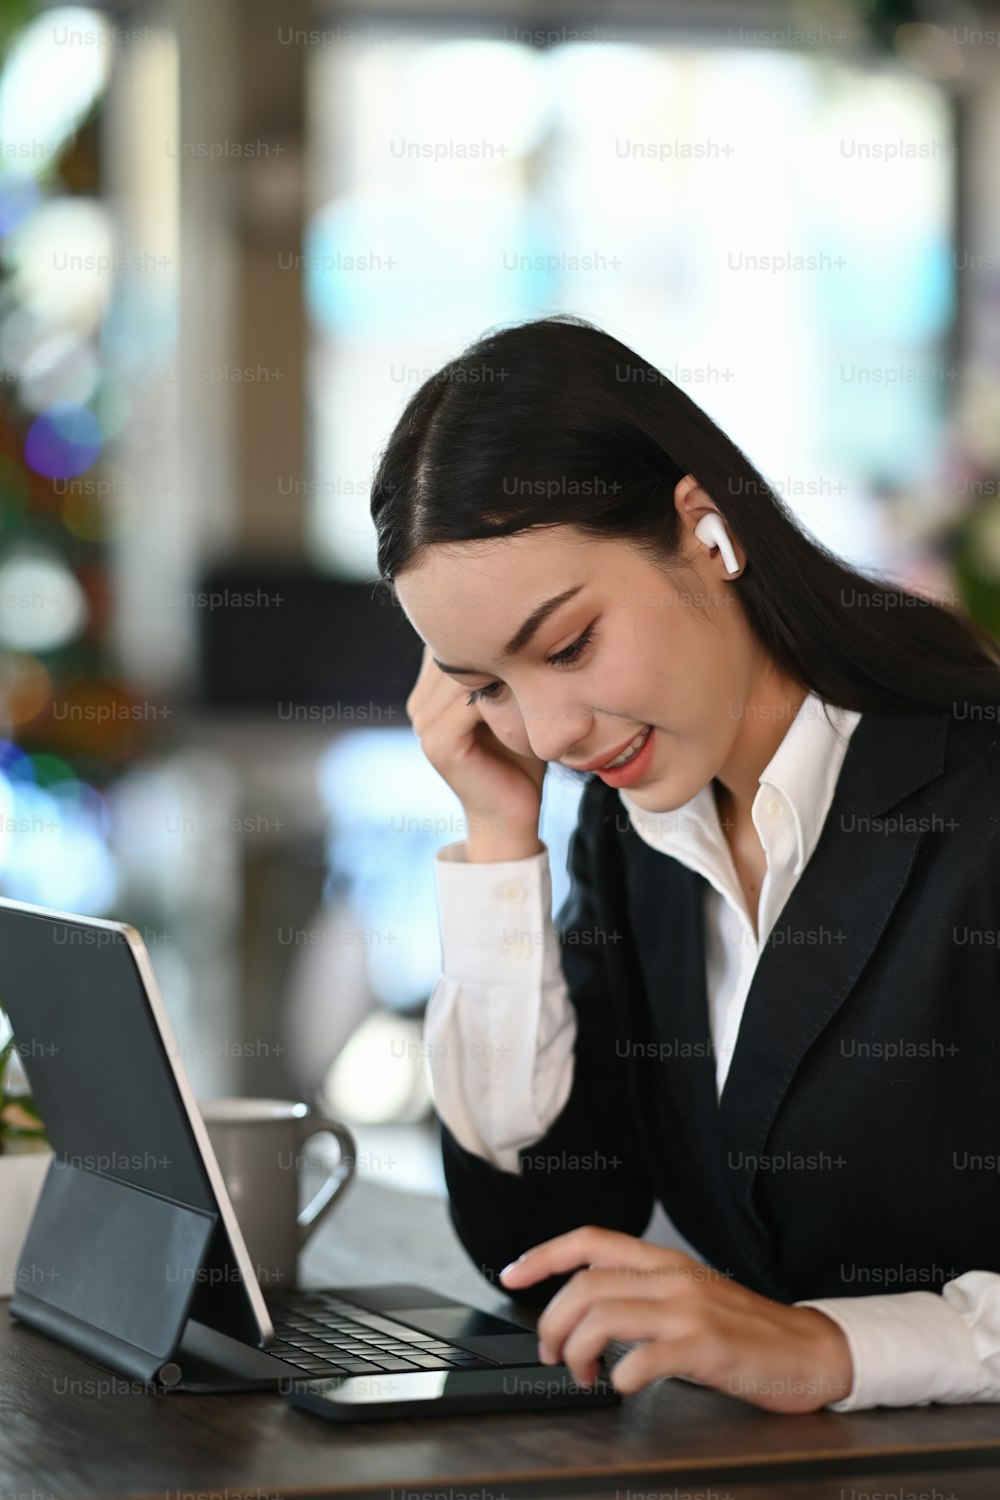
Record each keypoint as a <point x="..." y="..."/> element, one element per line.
<point x="204" y="143"/>
<point x="978" y="240"/>
<point x="270" y="79"/>
<point x="154" y="518"/>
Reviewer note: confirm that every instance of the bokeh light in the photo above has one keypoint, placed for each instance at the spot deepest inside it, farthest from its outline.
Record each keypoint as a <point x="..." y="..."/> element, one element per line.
<point x="53" y="73"/>
<point x="25" y="690"/>
<point x="19" y="197"/>
<point x="61" y="262"/>
<point x="62" y="368"/>
<point x="63" y="441"/>
<point x="42" y="605"/>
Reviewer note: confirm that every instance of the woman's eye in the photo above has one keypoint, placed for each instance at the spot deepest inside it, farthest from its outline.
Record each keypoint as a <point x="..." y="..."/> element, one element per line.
<point x="570" y="653"/>
<point x="489" y="691"/>
<point x="561" y="659"/>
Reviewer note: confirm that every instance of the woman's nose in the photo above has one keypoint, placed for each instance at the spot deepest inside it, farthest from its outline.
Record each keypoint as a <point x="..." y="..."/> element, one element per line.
<point x="553" y="730"/>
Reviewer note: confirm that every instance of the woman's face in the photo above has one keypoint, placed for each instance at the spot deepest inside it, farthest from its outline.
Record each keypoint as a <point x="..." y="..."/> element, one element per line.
<point x="632" y="646"/>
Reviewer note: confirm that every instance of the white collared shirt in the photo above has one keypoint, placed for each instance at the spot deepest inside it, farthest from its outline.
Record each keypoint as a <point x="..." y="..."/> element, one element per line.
<point x="789" y="810"/>
<point x="500" y="1031"/>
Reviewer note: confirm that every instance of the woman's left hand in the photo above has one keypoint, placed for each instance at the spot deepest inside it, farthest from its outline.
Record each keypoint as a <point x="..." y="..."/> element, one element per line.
<point x="694" y="1322"/>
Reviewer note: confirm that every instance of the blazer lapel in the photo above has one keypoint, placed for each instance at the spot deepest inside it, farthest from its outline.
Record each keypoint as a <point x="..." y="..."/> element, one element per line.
<point x="846" y="895"/>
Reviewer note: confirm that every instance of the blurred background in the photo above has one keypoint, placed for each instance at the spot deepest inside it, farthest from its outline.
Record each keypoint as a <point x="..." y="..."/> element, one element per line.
<point x="234" y="238"/>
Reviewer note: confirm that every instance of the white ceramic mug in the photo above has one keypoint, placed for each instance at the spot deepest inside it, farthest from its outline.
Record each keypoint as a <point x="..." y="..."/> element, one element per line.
<point x="258" y="1144"/>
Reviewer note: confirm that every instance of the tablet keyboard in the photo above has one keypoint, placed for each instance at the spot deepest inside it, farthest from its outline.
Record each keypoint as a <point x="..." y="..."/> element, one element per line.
<point x="321" y="1334"/>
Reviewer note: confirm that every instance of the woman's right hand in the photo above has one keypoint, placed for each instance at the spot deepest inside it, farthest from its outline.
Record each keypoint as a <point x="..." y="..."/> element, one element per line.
<point x="500" y="790"/>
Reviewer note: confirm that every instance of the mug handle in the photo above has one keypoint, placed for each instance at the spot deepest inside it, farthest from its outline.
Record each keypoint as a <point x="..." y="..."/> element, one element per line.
<point x="340" y="1175"/>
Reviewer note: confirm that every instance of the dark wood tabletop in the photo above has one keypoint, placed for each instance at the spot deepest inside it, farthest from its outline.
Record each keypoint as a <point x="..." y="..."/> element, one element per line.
<point x="70" y="1429"/>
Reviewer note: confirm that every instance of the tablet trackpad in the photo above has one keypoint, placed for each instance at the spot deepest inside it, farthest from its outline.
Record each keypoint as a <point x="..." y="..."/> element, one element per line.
<point x="496" y="1338"/>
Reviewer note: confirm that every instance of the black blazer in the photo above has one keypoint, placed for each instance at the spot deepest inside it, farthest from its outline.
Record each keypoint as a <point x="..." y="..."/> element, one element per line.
<point x="856" y="1144"/>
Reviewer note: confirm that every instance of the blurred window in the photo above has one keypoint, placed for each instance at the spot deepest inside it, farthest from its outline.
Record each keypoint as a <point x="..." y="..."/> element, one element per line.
<point x="771" y="229"/>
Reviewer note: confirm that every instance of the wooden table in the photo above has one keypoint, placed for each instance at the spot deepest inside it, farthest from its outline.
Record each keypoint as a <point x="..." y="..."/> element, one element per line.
<point x="69" y="1428"/>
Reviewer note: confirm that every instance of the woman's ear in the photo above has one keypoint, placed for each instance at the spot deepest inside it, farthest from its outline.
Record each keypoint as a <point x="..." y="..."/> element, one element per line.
<point x="692" y="502"/>
<point x="693" y="505"/>
<point x="683" y="489"/>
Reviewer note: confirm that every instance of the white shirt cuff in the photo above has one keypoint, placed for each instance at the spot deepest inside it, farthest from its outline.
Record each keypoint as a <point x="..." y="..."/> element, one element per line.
<point x="908" y="1349"/>
<point x="495" y="919"/>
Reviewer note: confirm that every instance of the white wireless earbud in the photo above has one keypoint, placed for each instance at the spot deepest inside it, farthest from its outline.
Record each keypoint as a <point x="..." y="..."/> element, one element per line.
<point x="711" y="530"/>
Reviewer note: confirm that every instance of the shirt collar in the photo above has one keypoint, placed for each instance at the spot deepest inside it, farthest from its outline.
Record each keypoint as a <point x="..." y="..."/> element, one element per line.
<point x="805" y="767"/>
<point x="803" y="771"/>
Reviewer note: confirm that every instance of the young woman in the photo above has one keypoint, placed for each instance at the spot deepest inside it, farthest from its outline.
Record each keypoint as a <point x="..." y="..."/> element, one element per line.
<point x="771" y="1000"/>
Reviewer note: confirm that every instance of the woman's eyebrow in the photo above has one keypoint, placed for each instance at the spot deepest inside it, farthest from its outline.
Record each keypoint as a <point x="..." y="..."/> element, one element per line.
<point x="524" y="634"/>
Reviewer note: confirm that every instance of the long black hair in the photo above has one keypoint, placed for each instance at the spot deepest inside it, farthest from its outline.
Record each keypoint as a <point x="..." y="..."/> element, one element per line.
<point x="554" y="422"/>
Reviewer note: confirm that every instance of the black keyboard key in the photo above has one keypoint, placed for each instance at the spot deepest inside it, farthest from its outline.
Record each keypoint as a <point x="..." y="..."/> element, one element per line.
<point x="323" y="1327"/>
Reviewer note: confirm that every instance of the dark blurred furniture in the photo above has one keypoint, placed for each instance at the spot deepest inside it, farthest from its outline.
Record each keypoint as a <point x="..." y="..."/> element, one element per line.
<point x="276" y="632"/>
<point x="288" y="658"/>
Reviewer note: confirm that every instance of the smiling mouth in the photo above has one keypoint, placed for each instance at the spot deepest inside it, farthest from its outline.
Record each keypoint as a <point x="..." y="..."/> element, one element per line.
<point x="630" y="751"/>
